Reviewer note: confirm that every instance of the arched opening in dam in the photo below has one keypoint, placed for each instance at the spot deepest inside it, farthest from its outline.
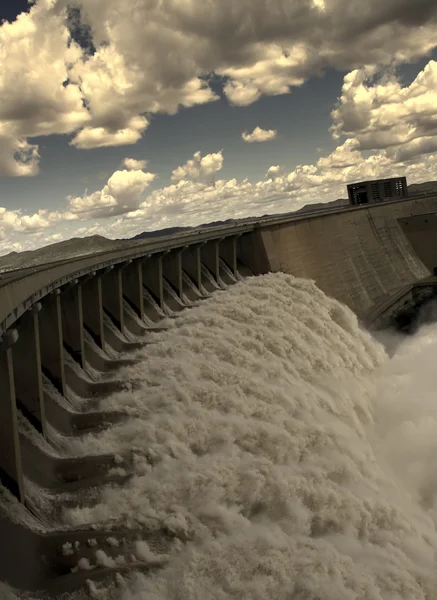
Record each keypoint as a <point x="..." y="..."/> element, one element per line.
<point x="277" y="450"/>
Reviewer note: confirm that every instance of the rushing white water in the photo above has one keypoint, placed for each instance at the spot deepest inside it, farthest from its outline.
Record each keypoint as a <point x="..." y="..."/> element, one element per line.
<point x="282" y="441"/>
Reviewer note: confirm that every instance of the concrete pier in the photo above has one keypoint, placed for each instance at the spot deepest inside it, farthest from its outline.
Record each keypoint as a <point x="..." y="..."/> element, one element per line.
<point x="133" y="286"/>
<point x="226" y="275"/>
<point x="192" y="265"/>
<point x="228" y="253"/>
<point x="28" y="370"/>
<point x="72" y="322"/>
<point x="93" y="308"/>
<point x="190" y="290"/>
<point x="211" y="258"/>
<point x="172" y="270"/>
<point x="209" y="282"/>
<point x="152" y="310"/>
<point x="11" y="473"/>
<point x="153" y="279"/>
<point x="172" y="300"/>
<point x="112" y="295"/>
<point x="51" y="341"/>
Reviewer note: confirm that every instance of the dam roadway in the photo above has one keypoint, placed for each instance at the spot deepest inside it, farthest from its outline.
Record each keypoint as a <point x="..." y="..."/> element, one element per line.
<point x="63" y="322"/>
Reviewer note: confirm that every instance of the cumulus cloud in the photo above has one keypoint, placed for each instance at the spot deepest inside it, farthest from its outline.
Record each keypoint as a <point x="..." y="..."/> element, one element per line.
<point x="132" y="164"/>
<point x="344" y="156"/>
<point x="380" y="113"/>
<point x="273" y="171"/>
<point x="57" y="216"/>
<point x="259" y="135"/>
<point x="18" y="157"/>
<point x="35" y="55"/>
<point x="24" y="230"/>
<point x="121" y="194"/>
<point x="14" y="220"/>
<point x="148" y="60"/>
<point x="127" y="186"/>
<point x="103" y="137"/>
<point x="55" y="237"/>
<point x="199" y="168"/>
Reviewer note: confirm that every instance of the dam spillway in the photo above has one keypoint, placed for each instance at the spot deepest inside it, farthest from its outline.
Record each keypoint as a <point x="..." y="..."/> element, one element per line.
<point x="77" y="320"/>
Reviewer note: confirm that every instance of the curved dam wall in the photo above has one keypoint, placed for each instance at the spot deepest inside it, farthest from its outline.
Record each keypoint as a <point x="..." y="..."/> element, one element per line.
<point x="421" y="231"/>
<point x="360" y="256"/>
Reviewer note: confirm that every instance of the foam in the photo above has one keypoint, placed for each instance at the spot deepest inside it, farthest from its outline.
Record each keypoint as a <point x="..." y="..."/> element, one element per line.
<point x="283" y="445"/>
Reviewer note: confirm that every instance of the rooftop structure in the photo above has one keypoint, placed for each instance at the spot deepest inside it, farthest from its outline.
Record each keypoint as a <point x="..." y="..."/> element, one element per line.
<point x="377" y="190"/>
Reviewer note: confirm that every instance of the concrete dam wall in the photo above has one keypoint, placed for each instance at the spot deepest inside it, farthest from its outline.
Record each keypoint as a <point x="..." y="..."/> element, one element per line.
<point x="361" y="256"/>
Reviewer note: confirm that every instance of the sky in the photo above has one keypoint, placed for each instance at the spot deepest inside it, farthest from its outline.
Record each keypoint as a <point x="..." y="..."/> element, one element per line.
<point x="120" y="117"/>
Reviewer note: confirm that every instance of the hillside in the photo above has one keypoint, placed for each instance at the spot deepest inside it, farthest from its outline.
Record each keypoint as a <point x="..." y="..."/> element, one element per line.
<point x="418" y="189"/>
<point x="160" y="232"/>
<point x="53" y="252"/>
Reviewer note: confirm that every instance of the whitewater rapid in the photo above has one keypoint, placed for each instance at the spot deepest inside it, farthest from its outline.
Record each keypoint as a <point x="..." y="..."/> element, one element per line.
<point x="290" y="452"/>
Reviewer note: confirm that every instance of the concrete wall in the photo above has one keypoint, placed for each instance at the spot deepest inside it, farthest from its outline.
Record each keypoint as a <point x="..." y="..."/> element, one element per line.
<point x="359" y="257"/>
<point x="421" y="232"/>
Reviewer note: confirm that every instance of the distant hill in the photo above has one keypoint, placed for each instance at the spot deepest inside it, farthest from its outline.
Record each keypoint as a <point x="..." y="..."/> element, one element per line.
<point x="159" y="232"/>
<point x="417" y="189"/>
<point x="53" y="252"/>
<point x="97" y="243"/>
<point x="321" y="205"/>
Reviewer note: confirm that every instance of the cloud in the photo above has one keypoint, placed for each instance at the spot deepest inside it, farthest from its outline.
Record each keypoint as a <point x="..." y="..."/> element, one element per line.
<point x="127" y="186"/>
<point x="143" y="60"/>
<point x="121" y="194"/>
<point x="35" y="56"/>
<point x="379" y="113"/>
<point x="55" y="237"/>
<point x="18" y="158"/>
<point x="148" y="66"/>
<point x="273" y="171"/>
<point x="344" y="156"/>
<point x="16" y="223"/>
<point x="58" y="216"/>
<point x="14" y="220"/>
<point x="395" y="124"/>
<point x="132" y="164"/>
<point x="259" y="135"/>
<point x="102" y="137"/>
<point x="199" y="168"/>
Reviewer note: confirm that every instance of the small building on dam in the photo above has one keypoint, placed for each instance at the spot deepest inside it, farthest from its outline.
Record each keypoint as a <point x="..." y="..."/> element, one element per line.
<point x="377" y="190"/>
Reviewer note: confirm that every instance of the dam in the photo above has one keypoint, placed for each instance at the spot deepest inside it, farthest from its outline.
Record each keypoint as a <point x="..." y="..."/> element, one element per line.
<point x="70" y="329"/>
